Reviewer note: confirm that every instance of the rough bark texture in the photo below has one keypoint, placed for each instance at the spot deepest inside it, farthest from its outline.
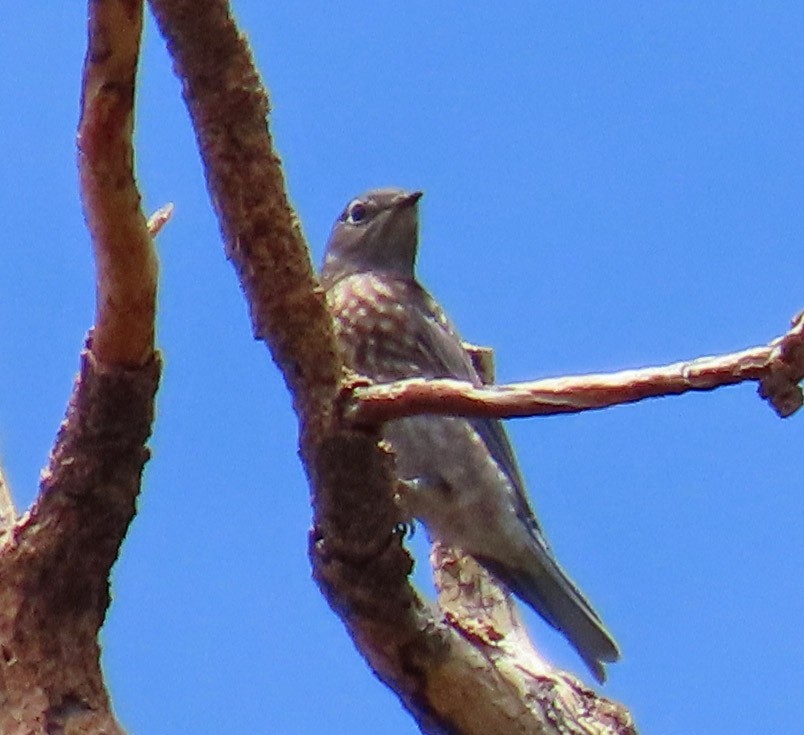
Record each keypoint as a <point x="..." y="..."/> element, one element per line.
<point x="54" y="565"/>
<point x="55" y="560"/>
<point x="229" y="107"/>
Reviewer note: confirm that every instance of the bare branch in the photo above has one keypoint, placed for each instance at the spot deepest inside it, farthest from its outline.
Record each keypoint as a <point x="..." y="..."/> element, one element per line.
<point x="477" y="607"/>
<point x="778" y="367"/>
<point x="125" y="259"/>
<point x="55" y="563"/>
<point x="228" y="106"/>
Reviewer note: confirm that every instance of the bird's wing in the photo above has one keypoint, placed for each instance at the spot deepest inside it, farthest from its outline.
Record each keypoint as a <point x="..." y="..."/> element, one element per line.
<point x="542" y="583"/>
<point x="444" y="353"/>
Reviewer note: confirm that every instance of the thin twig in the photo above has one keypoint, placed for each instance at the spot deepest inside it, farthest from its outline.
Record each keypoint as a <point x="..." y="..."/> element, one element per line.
<point x="778" y="367"/>
<point x="159" y="219"/>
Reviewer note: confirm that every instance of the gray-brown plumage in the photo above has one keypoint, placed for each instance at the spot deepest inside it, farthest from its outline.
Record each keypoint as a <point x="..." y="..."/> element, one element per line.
<point x="466" y="487"/>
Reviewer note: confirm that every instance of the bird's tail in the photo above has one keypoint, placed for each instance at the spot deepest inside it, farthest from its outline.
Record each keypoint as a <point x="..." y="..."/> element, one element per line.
<point x="552" y="594"/>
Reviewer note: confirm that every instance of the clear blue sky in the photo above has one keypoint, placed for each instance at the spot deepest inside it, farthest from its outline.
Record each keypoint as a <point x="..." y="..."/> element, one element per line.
<point x="607" y="186"/>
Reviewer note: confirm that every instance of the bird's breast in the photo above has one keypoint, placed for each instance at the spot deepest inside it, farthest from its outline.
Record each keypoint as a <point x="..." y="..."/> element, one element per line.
<point x="375" y="325"/>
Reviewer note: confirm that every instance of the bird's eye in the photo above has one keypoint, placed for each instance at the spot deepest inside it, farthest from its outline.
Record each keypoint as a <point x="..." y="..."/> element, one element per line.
<point x="356" y="213"/>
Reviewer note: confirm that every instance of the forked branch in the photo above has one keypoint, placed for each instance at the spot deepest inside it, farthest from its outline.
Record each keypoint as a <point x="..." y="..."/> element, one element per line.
<point x="55" y="560"/>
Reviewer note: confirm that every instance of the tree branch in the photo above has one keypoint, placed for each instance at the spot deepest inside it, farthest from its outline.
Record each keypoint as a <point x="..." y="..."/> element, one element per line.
<point x="125" y="259"/>
<point x="778" y="367"/>
<point x="55" y="562"/>
<point x="228" y="106"/>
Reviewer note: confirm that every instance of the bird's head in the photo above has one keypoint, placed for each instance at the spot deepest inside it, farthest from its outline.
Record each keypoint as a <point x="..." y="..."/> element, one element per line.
<point x="376" y="232"/>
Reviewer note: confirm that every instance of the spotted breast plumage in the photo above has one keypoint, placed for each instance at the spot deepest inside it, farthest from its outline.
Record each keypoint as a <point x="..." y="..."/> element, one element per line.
<point x="466" y="487"/>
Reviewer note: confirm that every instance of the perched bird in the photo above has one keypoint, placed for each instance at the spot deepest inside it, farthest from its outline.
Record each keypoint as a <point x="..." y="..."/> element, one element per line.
<point x="463" y="481"/>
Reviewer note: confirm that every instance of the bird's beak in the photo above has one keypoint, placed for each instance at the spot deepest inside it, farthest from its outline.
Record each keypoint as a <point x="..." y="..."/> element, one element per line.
<point x="408" y="199"/>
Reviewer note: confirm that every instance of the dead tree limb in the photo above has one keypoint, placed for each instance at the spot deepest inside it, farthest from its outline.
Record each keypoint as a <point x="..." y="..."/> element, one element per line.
<point x="777" y="367"/>
<point x="55" y="560"/>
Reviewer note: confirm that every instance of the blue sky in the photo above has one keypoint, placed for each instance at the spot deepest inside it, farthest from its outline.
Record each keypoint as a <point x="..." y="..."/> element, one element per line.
<point x="607" y="186"/>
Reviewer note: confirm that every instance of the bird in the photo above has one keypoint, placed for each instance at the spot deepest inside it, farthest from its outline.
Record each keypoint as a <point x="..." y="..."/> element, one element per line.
<point x="460" y="475"/>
